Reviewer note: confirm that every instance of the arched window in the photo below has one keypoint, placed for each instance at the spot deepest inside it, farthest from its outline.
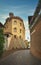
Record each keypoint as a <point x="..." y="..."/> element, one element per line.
<point x="20" y="36"/>
<point x="14" y="36"/>
<point x="15" y="22"/>
<point x="15" y="29"/>
<point x="20" y="30"/>
<point x="20" y="24"/>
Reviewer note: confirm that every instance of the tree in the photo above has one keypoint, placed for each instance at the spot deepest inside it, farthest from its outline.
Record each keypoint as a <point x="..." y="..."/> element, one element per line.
<point x="1" y="42"/>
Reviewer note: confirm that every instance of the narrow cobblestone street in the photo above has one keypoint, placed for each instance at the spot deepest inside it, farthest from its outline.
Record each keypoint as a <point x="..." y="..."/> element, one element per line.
<point x="22" y="57"/>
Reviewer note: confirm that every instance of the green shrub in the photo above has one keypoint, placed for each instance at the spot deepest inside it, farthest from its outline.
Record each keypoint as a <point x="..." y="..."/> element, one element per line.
<point x="2" y="41"/>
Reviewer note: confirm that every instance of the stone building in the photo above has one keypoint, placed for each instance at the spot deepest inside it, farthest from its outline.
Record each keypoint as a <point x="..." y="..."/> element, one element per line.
<point x="15" y="26"/>
<point x="35" y="31"/>
<point x="14" y="29"/>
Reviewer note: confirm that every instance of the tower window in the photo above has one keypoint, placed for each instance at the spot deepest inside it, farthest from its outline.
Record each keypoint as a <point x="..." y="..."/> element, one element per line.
<point x="15" y="22"/>
<point x="20" y="36"/>
<point x="20" y="30"/>
<point x="20" y="24"/>
<point x="14" y="36"/>
<point x="15" y="29"/>
<point x="7" y="35"/>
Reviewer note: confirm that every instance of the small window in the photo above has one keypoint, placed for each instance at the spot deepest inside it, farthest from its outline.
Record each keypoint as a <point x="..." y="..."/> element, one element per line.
<point x="20" y="37"/>
<point x="7" y="35"/>
<point x="14" y="36"/>
<point x="15" y="22"/>
<point x="15" y="29"/>
<point x="20" y="24"/>
<point x="20" y="30"/>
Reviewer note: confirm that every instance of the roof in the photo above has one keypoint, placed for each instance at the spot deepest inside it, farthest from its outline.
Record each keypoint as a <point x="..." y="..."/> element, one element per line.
<point x="8" y="33"/>
<point x="37" y="14"/>
<point x="29" y="19"/>
<point x="38" y="9"/>
<point x="1" y="25"/>
<point x="14" y="17"/>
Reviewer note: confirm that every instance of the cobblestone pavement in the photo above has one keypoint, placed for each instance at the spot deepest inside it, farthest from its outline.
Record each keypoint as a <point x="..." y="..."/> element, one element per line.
<point x="22" y="57"/>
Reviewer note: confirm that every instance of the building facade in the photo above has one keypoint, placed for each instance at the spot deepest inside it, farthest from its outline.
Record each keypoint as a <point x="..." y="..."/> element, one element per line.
<point x="15" y="32"/>
<point x="15" y="26"/>
<point x="35" y="32"/>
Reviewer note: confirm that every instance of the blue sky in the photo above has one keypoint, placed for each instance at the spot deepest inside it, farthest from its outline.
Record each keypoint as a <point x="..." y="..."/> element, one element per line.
<point x="21" y="8"/>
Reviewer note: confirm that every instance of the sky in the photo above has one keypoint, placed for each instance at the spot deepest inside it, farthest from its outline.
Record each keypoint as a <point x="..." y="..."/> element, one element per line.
<point x="21" y="8"/>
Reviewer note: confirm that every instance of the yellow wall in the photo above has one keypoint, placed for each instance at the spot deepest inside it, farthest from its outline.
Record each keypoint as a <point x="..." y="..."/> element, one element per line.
<point x="17" y="25"/>
<point x="9" y="27"/>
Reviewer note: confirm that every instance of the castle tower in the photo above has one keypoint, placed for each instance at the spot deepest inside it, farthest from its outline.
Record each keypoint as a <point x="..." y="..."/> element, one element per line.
<point x="15" y="26"/>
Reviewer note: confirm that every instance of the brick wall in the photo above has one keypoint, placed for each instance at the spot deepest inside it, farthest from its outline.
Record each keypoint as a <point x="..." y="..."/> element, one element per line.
<point x="36" y="40"/>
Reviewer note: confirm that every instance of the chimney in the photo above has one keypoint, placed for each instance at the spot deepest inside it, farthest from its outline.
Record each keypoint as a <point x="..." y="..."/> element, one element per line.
<point x="11" y="14"/>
